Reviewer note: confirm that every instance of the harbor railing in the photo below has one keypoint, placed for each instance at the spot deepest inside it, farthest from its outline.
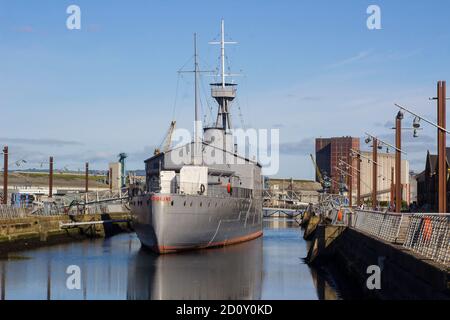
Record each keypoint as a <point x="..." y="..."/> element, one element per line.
<point x="427" y="234"/>
<point x="384" y="225"/>
<point x="10" y="212"/>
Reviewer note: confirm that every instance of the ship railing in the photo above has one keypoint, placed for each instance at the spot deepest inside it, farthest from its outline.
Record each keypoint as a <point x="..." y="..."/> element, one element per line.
<point x="213" y="190"/>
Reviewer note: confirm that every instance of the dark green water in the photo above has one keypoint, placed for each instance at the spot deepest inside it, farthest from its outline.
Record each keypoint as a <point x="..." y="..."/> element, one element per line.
<point x="270" y="267"/>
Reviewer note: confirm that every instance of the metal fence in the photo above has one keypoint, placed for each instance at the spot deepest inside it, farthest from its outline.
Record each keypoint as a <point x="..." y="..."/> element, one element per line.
<point x="426" y="234"/>
<point x="385" y="226"/>
<point x="94" y="196"/>
<point x="9" y="212"/>
<point x="429" y="236"/>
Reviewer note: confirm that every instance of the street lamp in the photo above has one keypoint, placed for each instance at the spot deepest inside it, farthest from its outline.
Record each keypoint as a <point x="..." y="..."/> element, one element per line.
<point x="442" y="131"/>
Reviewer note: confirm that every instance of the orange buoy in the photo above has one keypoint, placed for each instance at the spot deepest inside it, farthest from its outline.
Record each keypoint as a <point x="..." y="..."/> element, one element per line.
<point x="427" y="228"/>
<point x="339" y="215"/>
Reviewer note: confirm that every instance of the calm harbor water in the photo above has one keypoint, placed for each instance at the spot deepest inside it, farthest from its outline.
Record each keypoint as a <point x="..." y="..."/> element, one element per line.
<point x="270" y="267"/>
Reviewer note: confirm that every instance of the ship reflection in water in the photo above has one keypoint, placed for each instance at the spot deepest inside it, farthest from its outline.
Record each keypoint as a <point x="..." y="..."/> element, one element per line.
<point x="270" y="267"/>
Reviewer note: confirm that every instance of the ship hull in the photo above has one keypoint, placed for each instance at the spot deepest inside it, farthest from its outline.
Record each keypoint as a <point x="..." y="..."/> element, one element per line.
<point x="173" y="222"/>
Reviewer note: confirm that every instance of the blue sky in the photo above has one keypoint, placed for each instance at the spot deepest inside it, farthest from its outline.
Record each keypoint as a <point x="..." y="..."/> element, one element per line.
<point x="310" y="68"/>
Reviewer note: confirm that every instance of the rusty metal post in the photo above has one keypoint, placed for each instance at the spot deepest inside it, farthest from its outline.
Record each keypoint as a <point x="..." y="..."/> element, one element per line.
<point x="350" y="189"/>
<point x="358" y="180"/>
<point x="50" y="179"/>
<point x="442" y="154"/>
<point x="87" y="178"/>
<point x="110" y="179"/>
<point x="392" y="188"/>
<point x="398" y="164"/>
<point x="374" y="172"/>
<point x="5" y="175"/>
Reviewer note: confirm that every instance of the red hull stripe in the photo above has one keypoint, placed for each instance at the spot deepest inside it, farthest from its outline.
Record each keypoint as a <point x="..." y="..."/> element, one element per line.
<point x="171" y="249"/>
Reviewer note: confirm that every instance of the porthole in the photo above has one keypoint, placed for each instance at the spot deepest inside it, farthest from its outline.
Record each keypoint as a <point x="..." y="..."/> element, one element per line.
<point x="184" y="204"/>
<point x="171" y="203"/>
<point x="190" y="204"/>
<point x="201" y="204"/>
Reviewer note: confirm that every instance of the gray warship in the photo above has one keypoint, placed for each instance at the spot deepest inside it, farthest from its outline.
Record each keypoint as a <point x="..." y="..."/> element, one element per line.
<point x="201" y="194"/>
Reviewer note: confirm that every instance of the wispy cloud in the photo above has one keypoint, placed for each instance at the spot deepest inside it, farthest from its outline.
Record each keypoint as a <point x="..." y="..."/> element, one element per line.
<point x="360" y="56"/>
<point x="46" y="142"/>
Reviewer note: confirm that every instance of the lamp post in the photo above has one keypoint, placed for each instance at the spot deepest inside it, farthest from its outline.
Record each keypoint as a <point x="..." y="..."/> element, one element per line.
<point x="442" y="154"/>
<point x="375" y="147"/>
<point x="374" y="173"/>
<point x="358" y="180"/>
<point x="87" y="178"/>
<point x="5" y="175"/>
<point x="358" y="170"/>
<point x="50" y="179"/>
<point x="398" y="162"/>
<point x="441" y="137"/>
<point x="350" y="168"/>
<point x="392" y="188"/>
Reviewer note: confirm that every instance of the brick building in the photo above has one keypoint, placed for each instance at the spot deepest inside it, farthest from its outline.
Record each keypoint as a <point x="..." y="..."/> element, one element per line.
<point x="328" y="153"/>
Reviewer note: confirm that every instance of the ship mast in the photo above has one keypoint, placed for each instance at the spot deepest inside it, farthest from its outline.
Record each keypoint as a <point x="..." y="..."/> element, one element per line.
<point x="197" y="124"/>
<point x="222" y="51"/>
<point x="223" y="92"/>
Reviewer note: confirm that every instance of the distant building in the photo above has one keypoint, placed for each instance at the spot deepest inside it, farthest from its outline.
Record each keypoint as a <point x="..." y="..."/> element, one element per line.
<point x="116" y="178"/>
<point x="413" y="186"/>
<point x="307" y="190"/>
<point x="427" y="184"/>
<point x="328" y="153"/>
<point x="386" y="161"/>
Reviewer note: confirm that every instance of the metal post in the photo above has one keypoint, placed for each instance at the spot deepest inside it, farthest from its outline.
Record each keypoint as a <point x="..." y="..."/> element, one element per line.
<point x="374" y="172"/>
<point x="358" y="180"/>
<point x="87" y="178"/>
<point x="5" y="175"/>
<point x="50" y="179"/>
<point x="398" y="164"/>
<point x="392" y="188"/>
<point x="442" y="163"/>
<point x="110" y="179"/>
<point x="350" y="190"/>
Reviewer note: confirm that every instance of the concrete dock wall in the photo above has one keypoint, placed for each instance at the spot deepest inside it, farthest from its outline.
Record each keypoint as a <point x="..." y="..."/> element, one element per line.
<point x="404" y="275"/>
<point x="29" y="232"/>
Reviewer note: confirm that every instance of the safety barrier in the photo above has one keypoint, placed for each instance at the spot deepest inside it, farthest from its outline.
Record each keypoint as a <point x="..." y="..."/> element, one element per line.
<point x="429" y="235"/>
<point x="385" y="226"/>
<point x="9" y="212"/>
<point x="425" y="234"/>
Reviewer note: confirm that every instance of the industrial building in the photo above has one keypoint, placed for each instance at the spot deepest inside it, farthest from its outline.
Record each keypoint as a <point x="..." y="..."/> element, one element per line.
<point x="427" y="183"/>
<point x="386" y="163"/>
<point x="328" y="153"/>
<point x="307" y="191"/>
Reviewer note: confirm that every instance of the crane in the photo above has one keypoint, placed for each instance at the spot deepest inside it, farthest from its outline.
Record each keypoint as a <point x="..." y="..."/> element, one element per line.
<point x="324" y="180"/>
<point x="122" y="156"/>
<point x="165" y="145"/>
